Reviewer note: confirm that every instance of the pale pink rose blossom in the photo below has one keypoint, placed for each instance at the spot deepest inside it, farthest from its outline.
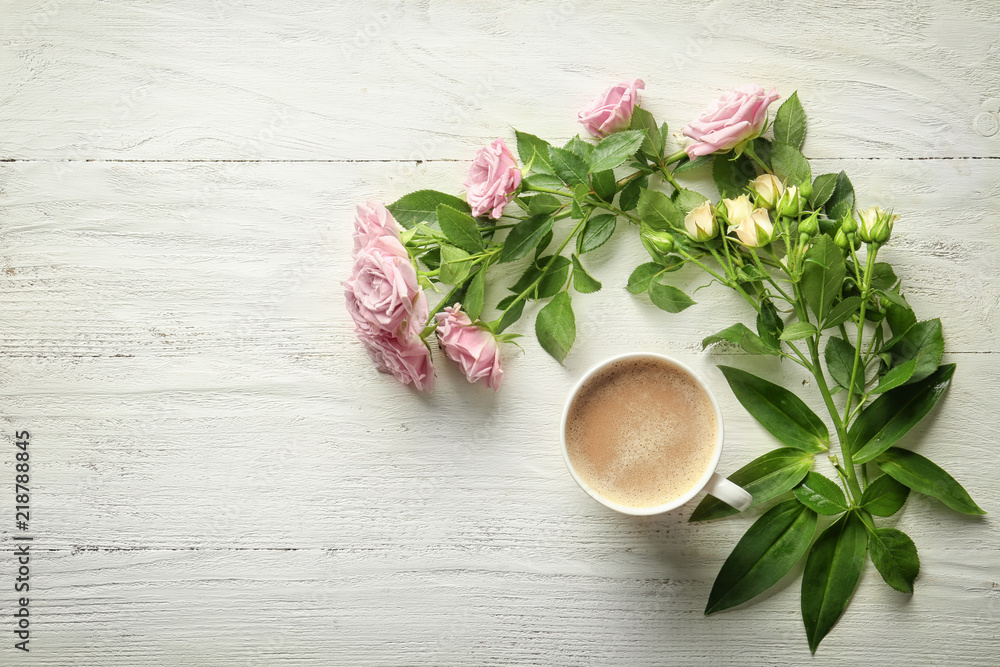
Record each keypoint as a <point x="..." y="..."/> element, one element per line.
<point x="611" y="110"/>
<point x="493" y="179"/>
<point x="474" y="348"/>
<point x="738" y="115"/>
<point x="372" y="221"/>
<point x="407" y="358"/>
<point x="383" y="294"/>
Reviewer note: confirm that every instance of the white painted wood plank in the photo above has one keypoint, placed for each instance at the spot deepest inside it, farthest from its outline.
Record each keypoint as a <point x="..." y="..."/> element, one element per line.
<point x="435" y="79"/>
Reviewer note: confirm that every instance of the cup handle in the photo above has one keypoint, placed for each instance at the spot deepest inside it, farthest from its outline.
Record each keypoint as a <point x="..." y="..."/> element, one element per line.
<point x="728" y="492"/>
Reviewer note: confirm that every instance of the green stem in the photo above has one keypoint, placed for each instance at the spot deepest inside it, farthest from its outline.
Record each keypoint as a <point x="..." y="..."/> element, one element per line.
<point x="865" y="290"/>
<point x="674" y="157"/>
<point x="670" y="177"/>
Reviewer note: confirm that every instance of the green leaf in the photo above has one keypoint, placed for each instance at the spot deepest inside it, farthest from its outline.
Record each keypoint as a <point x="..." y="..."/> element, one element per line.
<point x="842" y="311"/>
<point x="766" y="553"/>
<point x="668" y="297"/>
<point x="422" y="205"/>
<point x="582" y="149"/>
<point x="790" y="122"/>
<point x="547" y="181"/>
<point x="883" y="277"/>
<point x="839" y="355"/>
<point x="897" y="375"/>
<point x="583" y="282"/>
<point x="687" y="200"/>
<point x="762" y="148"/>
<point x="597" y="230"/>
<point x="823" y="188"/>
<point x="686" y="165"/>
<point x="543" y="203"/>
<point x="841" y="202"/>
<point x="455" y="265"/>
<point x="769" y="324"/>
<point x="651" y="143"/>
<point x="614" y="149"/>
<point x="741" y="335"/>
<point x="475" y="295"/>
<point x="555" y="277"/>
<point x="629" y="197"/>
<point x="524" y="236"/>
<point x="822" y="275"/>
<point x="789" y="164"/>
<point x="778" y="410"/>
<point x="891" y="415"/>
<point x="461" y="229"/>
<point x="798" y="331"/>
<point x="658" y="211"/>
<point x="603" y="183"/>
<point x="641" y="276"/>
<point x="926" y="477"/>
<point x="884" y="497"/>
<point x="568" y="166"/>
<point x="900" y="318"/>
<point x="895" y="557"/>
<point x="731" y="176"/>
<point x="764" y="478"/>
<point x="821" y="495"/>
<point x="923" y="342"/>
<point x="832" y="571"/>
<point x="511" y="312"/>
<point x="534" y="151"/>
<point x="555" y="326"/>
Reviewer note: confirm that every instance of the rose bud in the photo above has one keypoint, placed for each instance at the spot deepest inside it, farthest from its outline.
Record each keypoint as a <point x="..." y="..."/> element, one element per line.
<point x="493" y="179"/>
<point x="737" y="209"/>
<point x="768" y="188"/>
<point x="700" y="223"/>
<point x="790" y="204"/>
<point x="810" y="225"/>
<point x="657" y="243"/>
<point x="756" y="229"/>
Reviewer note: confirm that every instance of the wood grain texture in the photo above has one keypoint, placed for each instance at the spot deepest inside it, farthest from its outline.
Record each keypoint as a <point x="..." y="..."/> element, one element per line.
<point x="219" y="475"/>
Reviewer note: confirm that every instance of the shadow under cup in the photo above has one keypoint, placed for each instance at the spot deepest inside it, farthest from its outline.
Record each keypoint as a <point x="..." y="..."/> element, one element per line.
<point x="686" y="381"/>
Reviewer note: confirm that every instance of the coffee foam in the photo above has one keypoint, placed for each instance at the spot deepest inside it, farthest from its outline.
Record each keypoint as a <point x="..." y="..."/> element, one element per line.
<point x="641" y="432"/>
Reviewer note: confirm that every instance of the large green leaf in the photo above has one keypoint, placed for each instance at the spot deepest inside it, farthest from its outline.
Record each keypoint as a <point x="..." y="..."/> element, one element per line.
<point x="568" y="166"/>
<point x="839" y="356"/>
<point x="831" y="575"/>
<point x="615" y="149"/>
<point x="475" y="295"/>
<point x="421" y="206"/>
<point x="658" y="211"/>
<point x="524" y="236"/>
<point x="778" y="410"/>
<point x="652" y="143"/>
<point x="732" y="175"/>
<point x="891" y="415"/>
<point x="768" y="550"/>
<point x="790" y="165"/>
<point x="556" y="275"/>
<point x="924" y="341"/>
<point x="895" y="557"/>
<point x="790" y="122"/>
<point x="455" y="265"/>
<point x="583" y="282"/>
<point x="741" y="335"/>
<point x="884" y="497"/>
<point x="555" y="326"/>
<point x="604" y="185"/>
<point x="764" y="478"/>
<point x="642" y="276"/>
<point x="461" y="229"/>
<point x="668" y="297"/>
<point x="534" y="151"/>
<point x="769" y="324"/>
<point x="597" y="231"/>
<point x="823" y="187"/>
<point x="926" y="477"/>
<point x="822" y="275"/>
<point x="821" y="495"/>
<point x="842" y="312"/>
<point x="841" y="202"/>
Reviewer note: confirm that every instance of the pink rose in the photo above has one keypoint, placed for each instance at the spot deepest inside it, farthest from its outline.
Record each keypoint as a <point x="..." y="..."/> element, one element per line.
<point x="406" y="358"/>
<point x="493" y="179"/>
<point x="737" y="115"/>
<point x="372" y="221"/>
<point x="474" y="348"/>
<point x="383" y="295"/>
<point x="611" y="110"/>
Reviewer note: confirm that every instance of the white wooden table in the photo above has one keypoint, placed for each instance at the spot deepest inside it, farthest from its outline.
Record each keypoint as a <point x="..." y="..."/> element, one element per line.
<point x="218" y="474"/>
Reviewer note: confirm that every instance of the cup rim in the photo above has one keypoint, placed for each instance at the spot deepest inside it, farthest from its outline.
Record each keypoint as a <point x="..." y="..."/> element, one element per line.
<point x="687" y="495"/>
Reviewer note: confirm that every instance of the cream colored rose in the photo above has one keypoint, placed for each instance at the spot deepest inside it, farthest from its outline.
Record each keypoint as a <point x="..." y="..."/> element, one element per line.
<point x="768" y="188"/>
<point x="700" y="223"/>
<point x="755" y="230"/>
<point x="737" y="209"/>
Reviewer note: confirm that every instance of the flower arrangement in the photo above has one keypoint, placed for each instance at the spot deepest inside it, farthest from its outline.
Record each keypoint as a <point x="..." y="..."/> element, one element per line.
<point x="793" y="246"/>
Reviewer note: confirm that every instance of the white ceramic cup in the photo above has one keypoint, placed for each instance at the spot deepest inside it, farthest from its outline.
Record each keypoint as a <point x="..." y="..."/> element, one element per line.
<point x="710" y="481"/>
